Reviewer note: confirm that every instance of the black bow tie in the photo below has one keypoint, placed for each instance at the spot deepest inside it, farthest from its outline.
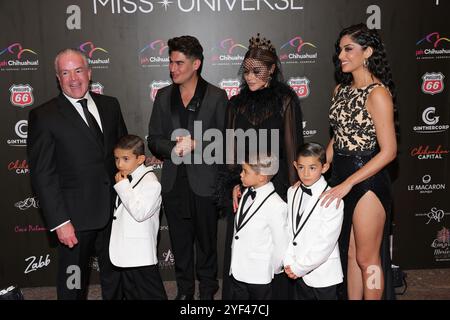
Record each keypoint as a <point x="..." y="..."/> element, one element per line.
<point x="306" y="190"/>
<point x="130" y="178"/>
<point x="251" y="193"/>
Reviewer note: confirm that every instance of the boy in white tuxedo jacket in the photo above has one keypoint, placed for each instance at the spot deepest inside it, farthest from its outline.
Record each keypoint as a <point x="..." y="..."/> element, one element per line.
<point x="135" y="225"/>
<point x="260" y="233"/>
<point x="312" y="257"/>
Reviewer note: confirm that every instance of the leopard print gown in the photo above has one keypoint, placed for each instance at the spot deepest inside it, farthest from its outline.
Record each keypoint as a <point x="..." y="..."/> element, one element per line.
<point x="355" y="143"/>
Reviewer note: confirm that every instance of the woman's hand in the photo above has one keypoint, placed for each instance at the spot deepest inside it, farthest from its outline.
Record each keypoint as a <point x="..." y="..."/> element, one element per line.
<point x="338" y="192"/>
<point x="236" y="195"/>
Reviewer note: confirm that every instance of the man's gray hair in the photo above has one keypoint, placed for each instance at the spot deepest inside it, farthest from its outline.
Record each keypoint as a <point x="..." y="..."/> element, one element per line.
<point x="70" y="50"/>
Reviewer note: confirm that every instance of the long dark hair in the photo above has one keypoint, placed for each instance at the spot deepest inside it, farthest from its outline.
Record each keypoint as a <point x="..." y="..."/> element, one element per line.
<point x="377" y="62"/>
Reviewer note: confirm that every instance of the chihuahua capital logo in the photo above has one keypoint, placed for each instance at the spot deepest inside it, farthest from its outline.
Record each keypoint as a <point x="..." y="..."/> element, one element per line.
<point x="17" y="58"/>
<point x="297" y="50"/>
<point x="154" y="54"/>
<point x="96" y="56"/>
<point x="433" y="46"/>
<point x="228" y="52"/>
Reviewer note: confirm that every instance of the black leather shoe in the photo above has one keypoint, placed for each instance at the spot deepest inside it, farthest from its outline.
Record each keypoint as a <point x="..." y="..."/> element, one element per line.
<point x="184" y="297"/>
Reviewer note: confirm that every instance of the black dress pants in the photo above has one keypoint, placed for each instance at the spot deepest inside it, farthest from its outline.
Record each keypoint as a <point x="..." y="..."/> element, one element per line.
<point x="192" y="221"/>
<point x="74" y="266"/>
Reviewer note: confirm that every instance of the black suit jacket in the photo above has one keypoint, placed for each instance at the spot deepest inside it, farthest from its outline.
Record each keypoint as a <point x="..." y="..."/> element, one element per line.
<point x="71" y="172"/>
<point x="165" y="119"/>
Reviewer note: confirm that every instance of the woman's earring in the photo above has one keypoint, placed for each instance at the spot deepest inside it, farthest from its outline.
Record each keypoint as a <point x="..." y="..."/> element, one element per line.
<point x="365" y="63"/>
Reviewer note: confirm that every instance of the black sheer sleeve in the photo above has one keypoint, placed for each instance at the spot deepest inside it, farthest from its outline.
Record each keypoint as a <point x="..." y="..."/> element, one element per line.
<point x="229" y="172"/>
<point x="293" y="132"/>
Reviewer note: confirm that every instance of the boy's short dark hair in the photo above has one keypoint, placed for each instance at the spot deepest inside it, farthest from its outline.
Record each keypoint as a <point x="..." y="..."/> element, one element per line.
<point x="312" y="149"/>
<point x="133" y="143"/>
<point x="189" y="46"/>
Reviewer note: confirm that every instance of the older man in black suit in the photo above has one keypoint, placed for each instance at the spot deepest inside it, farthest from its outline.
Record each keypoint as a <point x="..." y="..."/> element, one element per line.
<point x="70" y="153"/>
<point x="187" y="188"/>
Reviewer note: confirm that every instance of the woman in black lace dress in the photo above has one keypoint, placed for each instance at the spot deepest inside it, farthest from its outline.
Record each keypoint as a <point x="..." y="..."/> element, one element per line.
<point x="363" y="144"/>
<point x="264" y="102"/>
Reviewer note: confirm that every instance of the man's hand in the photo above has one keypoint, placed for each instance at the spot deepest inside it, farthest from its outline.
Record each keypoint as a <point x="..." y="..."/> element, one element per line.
<point x="66" y="235"/>
<point x="236" y="195"/>
<point x="184" y="145"/>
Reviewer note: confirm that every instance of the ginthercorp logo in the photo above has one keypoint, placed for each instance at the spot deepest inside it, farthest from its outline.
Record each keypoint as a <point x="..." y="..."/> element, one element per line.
<point x="231" y="86"/>
<point x="300" y="86"/>
<point x="97" y="87"/>
<point x="431" y="120"/>
<point x="97" y="57"/>
<point x="228" y="52"/>
<point x="297" y="50"/>
<point x="432" y="83"/>
<point x="21" y="95"/>
<point x="19" y="166"/>
<point x="441" y="245"/>
<point x="17" y="58"/>
<point x="426" y="187"/>
<point x="433" y="46"/>
<point x="155" y="86"/>
<point x="154" y="54"/>
<point x="167" y="259"/>
<point x="427" y="152"/>
<point x="434" y="214"/>
<point x="21" y="130"/>
<point x="308" y="133"/>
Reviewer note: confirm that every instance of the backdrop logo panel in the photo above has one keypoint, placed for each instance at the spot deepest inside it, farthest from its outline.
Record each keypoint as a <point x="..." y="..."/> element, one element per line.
<point x="427" y="187"/>
<point x="231" y="86"/>
<point x="308" y="133"/>
<point x="154" y="162"/>
<point x="27" y="203"/>
<point x="21" y="95"/>
<point x="97" y="87"/>
<point x="154" y="54"/>
<point x="431" y="121"/>
<point x="18" y="167"/>
<point x="434" y="214"/>
<point x="184" y="6"/>
<point x="97" y="57"/>
<point x="155" y="86"/>
<point x="432" y="83"/>
<point x="296" y="50"/>
<point x="21" y="132"/>
<point x="166" y="260"/>
<point x="28" y="228"/>
<point x="425" y="152"/>
<point x="35" y="263"/>
<point x="228" y="52"/>
<point x="433" y="46"/>
<point x="300" y="86"/>
<point x="17" y="58"/>
<point x="441" y="245"/>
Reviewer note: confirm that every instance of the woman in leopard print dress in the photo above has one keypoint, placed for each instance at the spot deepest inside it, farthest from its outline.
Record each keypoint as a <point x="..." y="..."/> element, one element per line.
<point x="363" y="144"/>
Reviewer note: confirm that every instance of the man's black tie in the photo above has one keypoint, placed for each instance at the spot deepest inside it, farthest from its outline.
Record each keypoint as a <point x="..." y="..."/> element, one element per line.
<point x="250" y="193"/>
<point x="306" y="190"/>
<point x="92" y="123"/>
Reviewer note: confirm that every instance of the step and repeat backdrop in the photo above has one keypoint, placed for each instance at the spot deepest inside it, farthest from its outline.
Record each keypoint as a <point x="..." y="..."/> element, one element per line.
<point x="126" y="42"/>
